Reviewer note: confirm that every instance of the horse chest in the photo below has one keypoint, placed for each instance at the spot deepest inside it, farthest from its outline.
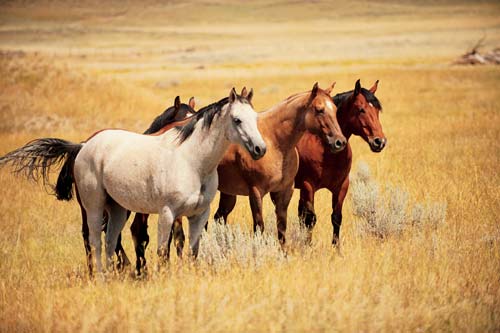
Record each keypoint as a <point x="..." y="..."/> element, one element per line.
<point x="335" y="168"/>
<point x="278" y="172"/>
<point x="283" y="170"/>
<point x="199" y="198"/>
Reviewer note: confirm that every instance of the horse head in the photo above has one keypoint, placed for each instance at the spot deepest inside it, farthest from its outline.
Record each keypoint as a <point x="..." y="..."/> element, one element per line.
<point x="321" y="118"/>
<point x="359" y="115"/>
<point x="243" y="124"/>
<point x="181" y="110"/>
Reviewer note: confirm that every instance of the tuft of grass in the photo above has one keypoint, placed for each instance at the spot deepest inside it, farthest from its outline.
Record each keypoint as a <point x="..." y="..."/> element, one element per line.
<point x="226" y="245"/>
<point x="388" y="212"/>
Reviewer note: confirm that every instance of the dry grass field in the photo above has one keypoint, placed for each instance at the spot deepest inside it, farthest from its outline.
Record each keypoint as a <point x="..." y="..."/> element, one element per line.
<point x="69" y="68"/>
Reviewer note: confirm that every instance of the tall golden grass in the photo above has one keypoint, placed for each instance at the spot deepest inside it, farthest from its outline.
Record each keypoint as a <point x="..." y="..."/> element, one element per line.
<point x="96" y="68"/>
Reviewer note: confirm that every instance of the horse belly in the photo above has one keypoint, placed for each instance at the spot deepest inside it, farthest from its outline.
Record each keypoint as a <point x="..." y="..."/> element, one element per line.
<point x="140" y="184"/>
<point x="137" y="197"/>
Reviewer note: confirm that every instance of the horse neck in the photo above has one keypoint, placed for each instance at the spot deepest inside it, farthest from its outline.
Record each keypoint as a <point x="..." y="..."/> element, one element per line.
<point x="206" y="147"/>
<point x="286" y="122"/>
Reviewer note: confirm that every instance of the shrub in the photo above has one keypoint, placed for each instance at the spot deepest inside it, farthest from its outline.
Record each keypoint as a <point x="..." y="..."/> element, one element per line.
<point x="223" y="246"/>
<point x="385" y="212"/>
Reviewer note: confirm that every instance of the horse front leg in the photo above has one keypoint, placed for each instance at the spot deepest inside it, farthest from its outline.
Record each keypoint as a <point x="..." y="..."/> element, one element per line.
<point x="139" y="230"/>
<point x="196" y="225"/>
<point x="281" y="201"/>
<point x="256" y="205"/>
<point x="226" y="206"/>
<point x="338" y="196"/>
<point x="307" y="216"/>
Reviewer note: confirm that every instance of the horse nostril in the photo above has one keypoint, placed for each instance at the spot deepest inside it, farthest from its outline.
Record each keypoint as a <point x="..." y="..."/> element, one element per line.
<point x="339" y="143"/>
<point x="378" y="141"/>
<point x="259" y="151"/>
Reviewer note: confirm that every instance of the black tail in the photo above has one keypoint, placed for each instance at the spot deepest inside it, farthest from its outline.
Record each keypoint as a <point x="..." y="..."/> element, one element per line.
<point x="36" y="158"/>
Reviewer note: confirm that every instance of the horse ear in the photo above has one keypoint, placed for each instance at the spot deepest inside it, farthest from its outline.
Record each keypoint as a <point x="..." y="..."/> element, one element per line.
<point x="192" y="103"/>
<point x="314" y="90"/>
<point x="373" y="89"/>
<point x="250" y="95"/>
<point x="329" y="89"/>
<point x="177" y="103"/>
<point x="244" y="92"/>
<point x="232" y="96"/>
<point x="357" y="89"/>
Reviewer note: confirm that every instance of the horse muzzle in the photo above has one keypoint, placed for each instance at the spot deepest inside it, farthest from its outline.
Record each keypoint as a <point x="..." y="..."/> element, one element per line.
<point x="377" y="144"/>
<point x="257" y="151"/>
<point x="336" y="143"/>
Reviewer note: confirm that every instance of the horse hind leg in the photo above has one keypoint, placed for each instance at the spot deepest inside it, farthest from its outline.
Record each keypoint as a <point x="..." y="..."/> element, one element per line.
<point x="177" y="234"/>
<point x="139" y="230"/>
<point x="85" y="236"/>
<point x="117" y="219"/>
<point x="123" y="260"/>
<point x="307" y="216"/>
<point x="86" y="241"/>
<point x="94" y="219"/>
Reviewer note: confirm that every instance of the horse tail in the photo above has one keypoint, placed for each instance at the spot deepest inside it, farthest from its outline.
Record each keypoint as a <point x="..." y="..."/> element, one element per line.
<point x="35" y="160"/>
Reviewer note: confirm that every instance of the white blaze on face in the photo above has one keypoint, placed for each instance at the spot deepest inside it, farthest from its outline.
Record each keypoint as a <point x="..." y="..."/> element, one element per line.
<point x="329" y="104"/>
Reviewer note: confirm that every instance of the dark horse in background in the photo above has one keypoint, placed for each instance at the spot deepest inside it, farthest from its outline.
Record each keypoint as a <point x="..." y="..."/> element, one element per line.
<point x="358" y="114"/>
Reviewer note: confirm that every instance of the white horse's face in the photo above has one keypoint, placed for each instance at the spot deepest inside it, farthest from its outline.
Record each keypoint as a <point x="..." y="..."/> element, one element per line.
<point x="243" y="125"/>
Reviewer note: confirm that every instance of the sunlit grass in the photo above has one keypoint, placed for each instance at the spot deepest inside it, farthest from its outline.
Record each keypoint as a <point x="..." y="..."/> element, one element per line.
<point x="441" y="121"/>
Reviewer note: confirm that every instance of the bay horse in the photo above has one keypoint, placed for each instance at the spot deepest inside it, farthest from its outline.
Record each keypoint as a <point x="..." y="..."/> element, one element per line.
<point x="173" y="174"/>
<point x="282" y="126"/>
<point x="358" y="113"/>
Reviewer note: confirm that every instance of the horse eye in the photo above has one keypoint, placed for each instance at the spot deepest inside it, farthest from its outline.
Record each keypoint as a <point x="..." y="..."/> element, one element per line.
<point x="362" y="110"/>
<point x="237" y="121"/>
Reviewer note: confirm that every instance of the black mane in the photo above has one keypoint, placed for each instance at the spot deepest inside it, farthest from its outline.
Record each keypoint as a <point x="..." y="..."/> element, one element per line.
<point x="169" y="116"/>
<point x="207" y="114"/>
<point x="340" y="98"/>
